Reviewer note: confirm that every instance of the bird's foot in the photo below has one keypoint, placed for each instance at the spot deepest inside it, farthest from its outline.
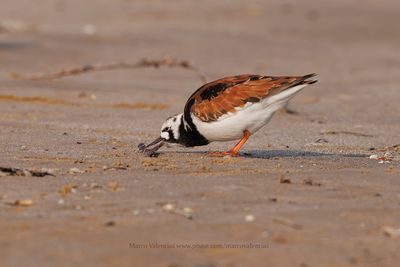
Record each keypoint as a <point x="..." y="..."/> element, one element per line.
<point x="223" y="154"/>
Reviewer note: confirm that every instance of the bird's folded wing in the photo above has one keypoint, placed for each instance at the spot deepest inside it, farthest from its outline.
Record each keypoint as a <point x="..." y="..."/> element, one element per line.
<point x="220" y="97"/>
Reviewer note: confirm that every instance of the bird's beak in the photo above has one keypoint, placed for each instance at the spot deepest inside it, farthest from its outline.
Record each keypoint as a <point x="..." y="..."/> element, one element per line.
<point x="154" y="146"/>
<point x="155" y="142"/>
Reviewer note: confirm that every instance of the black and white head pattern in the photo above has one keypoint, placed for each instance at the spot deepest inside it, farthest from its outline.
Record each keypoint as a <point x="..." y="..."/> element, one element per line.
<point x="170" y="129"/>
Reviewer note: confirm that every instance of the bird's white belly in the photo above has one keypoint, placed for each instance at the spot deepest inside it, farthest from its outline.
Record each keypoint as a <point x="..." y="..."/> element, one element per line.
<point x="251" y="117"/>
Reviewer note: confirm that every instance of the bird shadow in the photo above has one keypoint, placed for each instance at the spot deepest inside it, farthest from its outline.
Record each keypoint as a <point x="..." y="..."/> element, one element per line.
<point x="266" y="154"/>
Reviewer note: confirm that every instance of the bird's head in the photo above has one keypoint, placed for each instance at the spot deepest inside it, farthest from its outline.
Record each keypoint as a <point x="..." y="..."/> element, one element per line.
<point x="169" y="133"/>
<point x="170" y="129"/>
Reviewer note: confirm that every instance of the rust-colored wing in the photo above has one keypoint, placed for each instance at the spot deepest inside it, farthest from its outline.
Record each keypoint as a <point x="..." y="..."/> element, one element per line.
<point x="219" y="97"/>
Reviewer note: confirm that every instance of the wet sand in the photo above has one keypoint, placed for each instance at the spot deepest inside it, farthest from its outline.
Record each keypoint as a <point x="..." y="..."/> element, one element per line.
<point x="304" y="190"/>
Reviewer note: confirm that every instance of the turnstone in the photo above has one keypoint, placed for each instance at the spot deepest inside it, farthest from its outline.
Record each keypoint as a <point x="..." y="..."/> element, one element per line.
<point x="231" y="108"/>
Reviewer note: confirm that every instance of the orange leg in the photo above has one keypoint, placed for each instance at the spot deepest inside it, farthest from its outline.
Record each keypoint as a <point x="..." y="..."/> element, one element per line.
<point x="235" y="150"/>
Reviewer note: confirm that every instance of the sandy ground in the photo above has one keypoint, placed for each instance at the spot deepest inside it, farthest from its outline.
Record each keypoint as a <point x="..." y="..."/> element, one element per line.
<point x="305" y="190"/>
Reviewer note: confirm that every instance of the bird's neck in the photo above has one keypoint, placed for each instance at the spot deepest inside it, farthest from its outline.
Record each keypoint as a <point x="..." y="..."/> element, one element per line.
<point x="188" y="133"/>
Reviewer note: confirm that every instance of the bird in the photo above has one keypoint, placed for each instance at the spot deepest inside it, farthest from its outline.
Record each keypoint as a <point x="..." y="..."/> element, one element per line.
<point x="228" y="109"/>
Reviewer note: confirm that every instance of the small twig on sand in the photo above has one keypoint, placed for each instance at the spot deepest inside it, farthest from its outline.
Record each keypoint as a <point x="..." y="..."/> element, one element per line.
<point x="287" y="222"/>
<point x="24" y="172"/>
<point x="144" y="63"/>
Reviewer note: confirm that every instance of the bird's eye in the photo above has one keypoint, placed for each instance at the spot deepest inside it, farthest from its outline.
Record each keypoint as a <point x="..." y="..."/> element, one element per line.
<point x="165" y="130"/>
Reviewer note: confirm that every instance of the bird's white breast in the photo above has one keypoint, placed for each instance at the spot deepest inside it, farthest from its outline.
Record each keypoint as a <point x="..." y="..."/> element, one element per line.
<point x="251" y="117"/>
